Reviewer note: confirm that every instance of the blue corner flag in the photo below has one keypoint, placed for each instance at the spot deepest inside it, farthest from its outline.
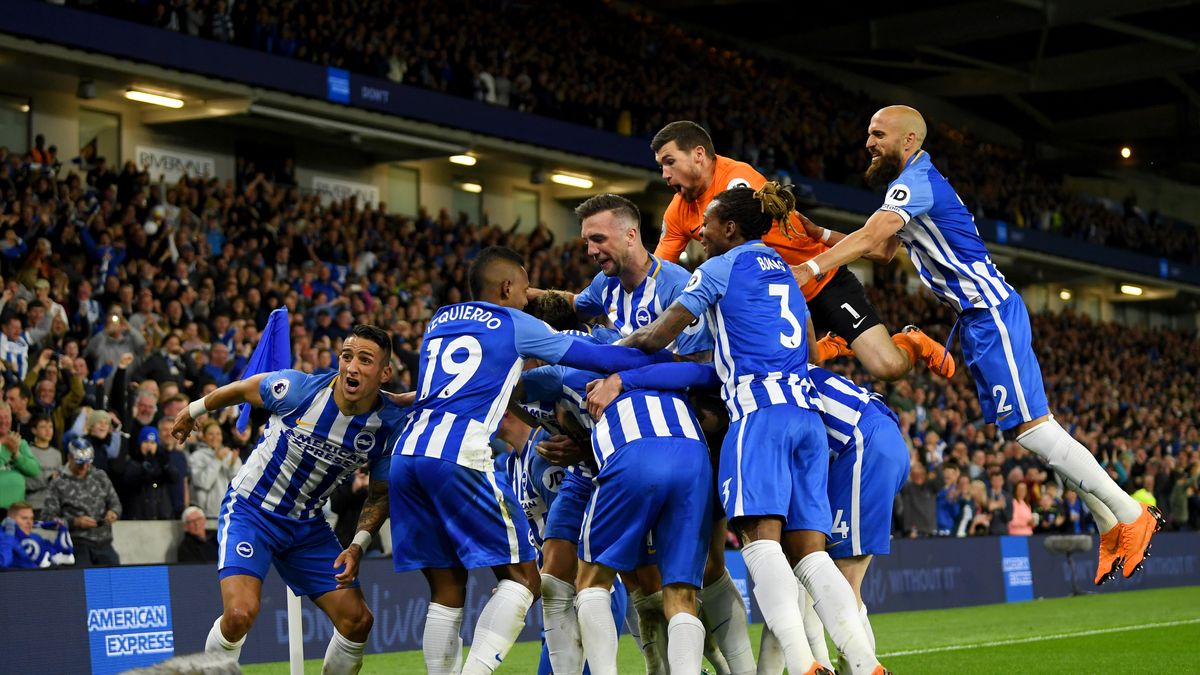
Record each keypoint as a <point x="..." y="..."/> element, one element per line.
<point x="274" y="352"/>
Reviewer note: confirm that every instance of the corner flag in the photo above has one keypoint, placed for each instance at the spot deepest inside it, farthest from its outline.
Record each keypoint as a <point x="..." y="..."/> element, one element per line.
<point x="274" y="352"/>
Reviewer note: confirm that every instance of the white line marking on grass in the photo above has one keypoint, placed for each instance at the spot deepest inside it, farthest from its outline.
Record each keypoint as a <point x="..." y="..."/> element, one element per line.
<point x="1040" y="638"/>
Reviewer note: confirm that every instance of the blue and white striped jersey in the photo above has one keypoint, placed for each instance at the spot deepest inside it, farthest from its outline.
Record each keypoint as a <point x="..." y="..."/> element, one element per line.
<point x="470" y="361"/>
<point x="631" y="311"/>
<point x="758" y="316"/>
<point x="535" y="481"/>
<point x="15" y="354"/>
<point x="846" y="404"/>
<point x="643" y="413"/>
<point x="309" y="446"/>
<point x="547" y="385"/>
<point x="942" y="240"/>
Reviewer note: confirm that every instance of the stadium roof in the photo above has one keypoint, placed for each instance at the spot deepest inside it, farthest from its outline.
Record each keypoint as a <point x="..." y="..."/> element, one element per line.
<point x="1084" y="76"/>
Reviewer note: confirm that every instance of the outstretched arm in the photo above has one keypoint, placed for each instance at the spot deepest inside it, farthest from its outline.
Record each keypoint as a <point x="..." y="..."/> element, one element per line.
<point x="881" y="227"/>
<point x="880" y="254"/>
<point x="662" y="331"/>
<point x="234" y="393"/>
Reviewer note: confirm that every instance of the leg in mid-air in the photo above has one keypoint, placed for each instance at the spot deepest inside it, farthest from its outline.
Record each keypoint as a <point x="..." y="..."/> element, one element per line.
<point x="997" y="346"/>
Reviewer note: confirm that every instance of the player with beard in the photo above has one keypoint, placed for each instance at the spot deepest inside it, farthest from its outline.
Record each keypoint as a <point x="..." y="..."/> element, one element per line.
<point x="322" y="428"/>
<point x="837" y="299"/>
<point x="923" y="211"/>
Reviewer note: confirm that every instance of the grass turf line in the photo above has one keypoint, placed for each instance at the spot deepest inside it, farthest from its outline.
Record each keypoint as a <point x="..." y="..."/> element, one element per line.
<point x="966" y="635"/>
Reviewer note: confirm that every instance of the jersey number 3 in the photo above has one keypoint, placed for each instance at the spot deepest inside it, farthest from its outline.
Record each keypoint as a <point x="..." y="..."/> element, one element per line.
<point x="461" y="370"/>
<point x="784" y="292"/>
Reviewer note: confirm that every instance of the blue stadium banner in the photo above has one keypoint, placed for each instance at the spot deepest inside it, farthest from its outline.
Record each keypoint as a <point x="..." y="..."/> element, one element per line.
<point x="1001" y="232"/>
<point x="128" y="617"/>
<point x="1018" y="575"/>
<point x="337" y="85"/>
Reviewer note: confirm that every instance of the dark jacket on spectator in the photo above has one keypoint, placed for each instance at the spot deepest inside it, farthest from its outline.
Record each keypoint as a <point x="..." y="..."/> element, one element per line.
<point x="196" y="550"/>
<point x="148" y="479"/>
<point x="920" y="508"/>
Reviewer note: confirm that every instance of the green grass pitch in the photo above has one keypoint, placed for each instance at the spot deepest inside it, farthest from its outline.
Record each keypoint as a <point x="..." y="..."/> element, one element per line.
<point x="1155" y="631"/>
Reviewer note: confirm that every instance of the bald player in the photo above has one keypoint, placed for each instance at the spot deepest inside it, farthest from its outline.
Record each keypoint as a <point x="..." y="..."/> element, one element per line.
<point x="922" y="211"/>
<point x="836" y="299"/>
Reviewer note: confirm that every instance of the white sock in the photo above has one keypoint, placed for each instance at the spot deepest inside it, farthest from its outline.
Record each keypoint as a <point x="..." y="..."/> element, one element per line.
<point x="343" y="656"/>
<point x="770" y="654"/>
<point x="654" y="636"/>
<point x="217" y="644"/>
<point x="597" y="630"/>
<point x="440" y="642"/>
<point x="1104" y="517"/>
<point x="778" y="598"/>
<point x="499" y="624"/>
<point x="686" y="643"/>
<point x="561" y="626"/>
<point x="712" y="654"/>
<point x="866" y="622"/>
<point x="724" y="613"/>
<point x="814" y="630"/>
<point x="1067" y="456"/>
<point x="834" y="601"/>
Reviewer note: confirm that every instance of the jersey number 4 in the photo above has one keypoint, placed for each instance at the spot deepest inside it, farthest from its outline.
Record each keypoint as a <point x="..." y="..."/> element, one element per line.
<point x="460" y="370"/>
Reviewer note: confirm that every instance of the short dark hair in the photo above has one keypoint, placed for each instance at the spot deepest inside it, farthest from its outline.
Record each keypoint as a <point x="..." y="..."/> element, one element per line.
<point x="619" y="205"/>
<point x="38" y="418"/>
<point x="477" y="274"/>
<point x="555" y="309"/>
<point x="686" y="134"/>
<point x="377" y="335"/>
<point x="22" y="390"/>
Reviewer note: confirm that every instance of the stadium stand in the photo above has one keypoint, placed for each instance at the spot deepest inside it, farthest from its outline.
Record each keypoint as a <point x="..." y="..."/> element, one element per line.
<point x="186" y="273"/>
<point x="466" y="49"/>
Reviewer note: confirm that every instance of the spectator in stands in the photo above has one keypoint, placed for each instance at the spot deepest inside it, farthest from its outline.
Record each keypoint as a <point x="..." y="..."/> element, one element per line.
<point x="15" y="344"/>
<point x="1145" y="491"/>
<point x="85" y="498"/>
<point x="17" y="526"/>
<point x="999" y="505"/>
<point x="1073" y="513"/>
<point x="148" y="477"/>
<point x="198" y="544"/>
<point x="166" y="364"/>
<point x="181" y="489"/>
<point x="213" y="465"/>
<point x="46" y="398"/>
<point x="17" y="396"/>
<point x="948" y="503"/>
<point x="1021" y="522"/>
<point x="107" y="347"/>
<point x="918" y="500"/>
<point x="1048" y="518"/>
<point x="49" y="459"/>
<point x="16" y="461"/>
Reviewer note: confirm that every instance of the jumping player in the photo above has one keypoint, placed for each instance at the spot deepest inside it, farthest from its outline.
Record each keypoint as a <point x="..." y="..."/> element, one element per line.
<point x="322" y="428"/>
<point x="922" y="210"/>
<point x="774" y="461"/>
<point x="837" y="300"/>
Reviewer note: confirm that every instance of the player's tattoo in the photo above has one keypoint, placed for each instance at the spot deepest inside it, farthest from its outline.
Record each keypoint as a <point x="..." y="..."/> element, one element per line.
<point x="662" y="331"/>
<point x="375" y="509"/>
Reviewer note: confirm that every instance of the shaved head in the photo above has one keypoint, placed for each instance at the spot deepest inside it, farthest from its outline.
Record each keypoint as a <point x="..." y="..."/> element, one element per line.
<point x="895" y="135"/>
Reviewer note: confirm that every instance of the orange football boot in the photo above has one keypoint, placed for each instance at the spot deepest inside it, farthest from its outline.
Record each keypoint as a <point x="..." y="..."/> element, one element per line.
<point x="1135" y="539"/>
<point x="1110" y="556"/>
<point x="932" y="352"/>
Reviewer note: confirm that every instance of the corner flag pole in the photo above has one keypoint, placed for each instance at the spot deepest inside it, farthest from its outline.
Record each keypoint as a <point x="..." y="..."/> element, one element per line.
<point x="295" y="634"/>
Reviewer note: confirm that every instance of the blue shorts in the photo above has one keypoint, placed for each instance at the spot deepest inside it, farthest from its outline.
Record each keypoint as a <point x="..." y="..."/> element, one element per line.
<point x="863" y="483"/>
<point x="658" y="486"/>
<point x="775" y="462"/>
<point x="251" y="539"/>
<point x="447" y="515"/>
<point x="997" y="345"/>
<point x="565" y="520"/>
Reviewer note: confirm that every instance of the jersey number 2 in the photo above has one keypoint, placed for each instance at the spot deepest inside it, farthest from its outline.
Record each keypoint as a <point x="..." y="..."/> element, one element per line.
<point x="461" y="370"/>
<point x="784" y="292"/>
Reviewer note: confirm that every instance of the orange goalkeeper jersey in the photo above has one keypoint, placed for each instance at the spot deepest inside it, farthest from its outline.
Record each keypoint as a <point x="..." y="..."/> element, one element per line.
<point x="684" y="220"/>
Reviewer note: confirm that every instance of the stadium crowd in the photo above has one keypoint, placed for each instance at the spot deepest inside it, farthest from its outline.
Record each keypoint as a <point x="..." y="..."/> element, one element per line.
<point x="124" y="297"/>
<point x="562" y="70"/>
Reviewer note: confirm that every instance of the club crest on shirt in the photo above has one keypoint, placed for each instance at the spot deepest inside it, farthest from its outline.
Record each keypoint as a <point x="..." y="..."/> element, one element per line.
<point x="364" y="441"/>
<point x="245" y="549"/>
<point x="642" y="317"/>
<point x="694" y="281"/>
<point x="280" y="388"/>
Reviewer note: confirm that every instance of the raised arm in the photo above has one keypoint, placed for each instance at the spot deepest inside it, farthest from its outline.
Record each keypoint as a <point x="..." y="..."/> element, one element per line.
<point x="877" y="235"/>
<point x="234" y="393"/>
<point x="662" y="331"/>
